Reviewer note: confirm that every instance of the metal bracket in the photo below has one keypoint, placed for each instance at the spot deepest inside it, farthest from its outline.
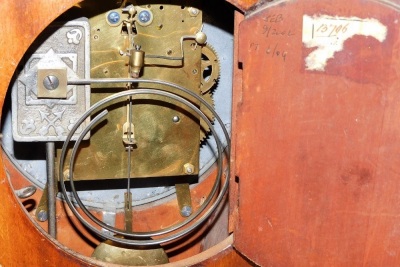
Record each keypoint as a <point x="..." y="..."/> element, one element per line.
<point x="128" y="212"/>
<point x="184" y="199"/>
<point x="44" y="106"/>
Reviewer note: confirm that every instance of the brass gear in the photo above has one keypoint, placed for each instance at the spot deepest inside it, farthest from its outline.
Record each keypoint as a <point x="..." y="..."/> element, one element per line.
<point x="209" y="68"/>
<point x="209" y="77"/>
<point x="204" y="129"/>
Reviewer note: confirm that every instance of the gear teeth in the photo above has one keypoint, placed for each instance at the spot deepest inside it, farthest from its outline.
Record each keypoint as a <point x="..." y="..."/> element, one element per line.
<point x="209" y="60"/>
<point x="204" y="129"/>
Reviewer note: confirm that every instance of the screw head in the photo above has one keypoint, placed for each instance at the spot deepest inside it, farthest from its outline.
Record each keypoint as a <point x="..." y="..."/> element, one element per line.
<point x="113" y="17"/>
<point x="186" y="211"/>
<point x="176" y="119"/>
<point x="26" y="192"/>
<point x="51" y="82"/>
<point x="193" y="11"/>
<point x="42" y="216"/>
<point x="66" y="174"/>
<point x="144" y="16"/>
<point x="188" y="168"/>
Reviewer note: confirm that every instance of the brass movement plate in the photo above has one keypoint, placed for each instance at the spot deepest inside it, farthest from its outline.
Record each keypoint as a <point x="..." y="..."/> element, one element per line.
<point x="167" y="132"/>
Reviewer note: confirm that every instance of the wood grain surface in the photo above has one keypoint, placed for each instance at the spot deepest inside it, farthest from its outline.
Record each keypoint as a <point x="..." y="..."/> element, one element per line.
<point x="317" y="151"/>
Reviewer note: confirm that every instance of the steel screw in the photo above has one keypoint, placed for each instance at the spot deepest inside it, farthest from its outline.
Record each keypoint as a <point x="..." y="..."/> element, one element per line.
<point x="193" y="11"/>
<point x="144" y="16"/>
<point x="186" y="211"/>
<point x="189" y="168"/>
<point x="26" y="192"/>
<point x="42" y="216"/>
<point x="176" y="119"/>
<point x="51" y="82"/>
<point x="113" y="17"/>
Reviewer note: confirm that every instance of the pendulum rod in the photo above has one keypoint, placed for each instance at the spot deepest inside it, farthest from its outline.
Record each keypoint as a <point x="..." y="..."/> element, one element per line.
<point x="51" y="188"/>
<point x="128" y="195"/>
<point x="129" y="142"/>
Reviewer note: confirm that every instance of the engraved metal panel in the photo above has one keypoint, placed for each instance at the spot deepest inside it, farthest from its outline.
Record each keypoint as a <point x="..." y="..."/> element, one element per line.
<point x="36" y="118"/>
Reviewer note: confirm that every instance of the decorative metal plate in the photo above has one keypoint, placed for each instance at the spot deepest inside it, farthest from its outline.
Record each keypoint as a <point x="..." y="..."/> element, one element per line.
<point x="50" y="119"/>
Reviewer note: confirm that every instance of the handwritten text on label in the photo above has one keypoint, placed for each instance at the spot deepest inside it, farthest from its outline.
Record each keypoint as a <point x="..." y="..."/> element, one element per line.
<point x="328" y="34"/>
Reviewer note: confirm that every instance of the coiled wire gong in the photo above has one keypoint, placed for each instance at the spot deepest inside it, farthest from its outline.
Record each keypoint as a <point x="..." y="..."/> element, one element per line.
<point x="144" y="238"/>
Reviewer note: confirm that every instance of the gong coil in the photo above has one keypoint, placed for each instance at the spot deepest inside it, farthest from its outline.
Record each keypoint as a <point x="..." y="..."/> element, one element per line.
<point x="145" y="238"/>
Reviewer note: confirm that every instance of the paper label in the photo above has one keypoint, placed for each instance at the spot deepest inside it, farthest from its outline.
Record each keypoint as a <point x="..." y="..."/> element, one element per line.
<point x="328" y="34"/>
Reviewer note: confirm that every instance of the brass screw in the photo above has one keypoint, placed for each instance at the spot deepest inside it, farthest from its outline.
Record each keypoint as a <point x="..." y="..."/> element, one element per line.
<point x="66" y="174"/>
<point x="201" y="38"/>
